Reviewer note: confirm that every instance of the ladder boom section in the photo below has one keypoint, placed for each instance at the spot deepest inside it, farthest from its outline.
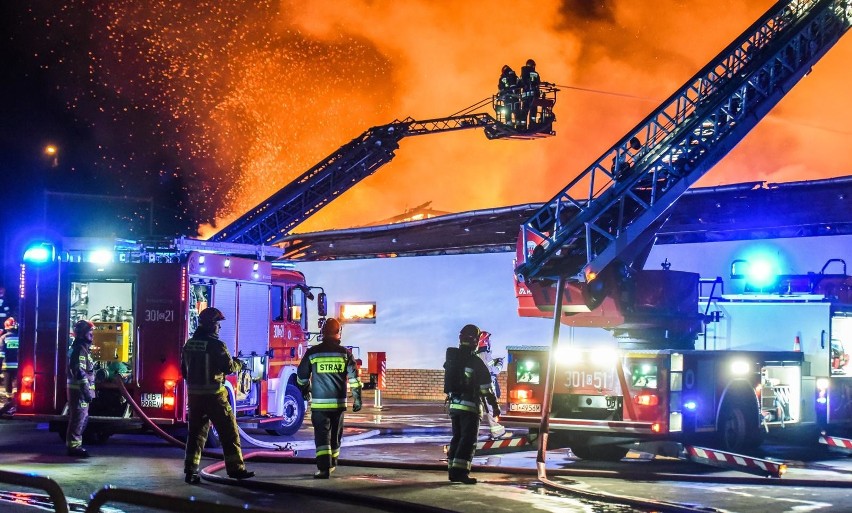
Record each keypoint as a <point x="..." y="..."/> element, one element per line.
<point x="612" y="209"/>
<point x="276" y="216"/>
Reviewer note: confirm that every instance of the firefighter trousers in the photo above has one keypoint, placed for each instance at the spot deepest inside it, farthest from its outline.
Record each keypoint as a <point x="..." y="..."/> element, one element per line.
<point x="463" y="443"/>
<point x="78" y="417"/>
<point x="328" y="432"/>
<point x="215" y="408"/>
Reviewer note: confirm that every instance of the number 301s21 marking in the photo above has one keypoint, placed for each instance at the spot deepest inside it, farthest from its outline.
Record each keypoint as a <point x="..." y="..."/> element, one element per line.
<point x="160" y="315"/>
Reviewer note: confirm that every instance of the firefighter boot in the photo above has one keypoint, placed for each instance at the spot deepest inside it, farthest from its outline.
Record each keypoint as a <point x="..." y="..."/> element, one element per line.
<point x="78" y="452"/>
<point x="241" y="474"/>
<point x="192" y="478"/>
<point x="322" y="474"/>
<point x="461" y="477"/>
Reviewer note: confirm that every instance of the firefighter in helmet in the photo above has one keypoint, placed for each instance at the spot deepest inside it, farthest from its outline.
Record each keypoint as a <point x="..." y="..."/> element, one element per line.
<point x="9" y="354"/>
<point x="508" y="95"/>
<point x="466" y="404"/>
<point x="81" y="386"/>
<point x="323" y="373"/>
<point x="495" y="365"/>
<point x="530" y="88"/>
<point x="205" y="361"/>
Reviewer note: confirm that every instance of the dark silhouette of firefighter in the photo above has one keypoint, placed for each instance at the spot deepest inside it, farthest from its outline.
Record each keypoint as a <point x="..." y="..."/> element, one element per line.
<point x="530" y="90"/>
<point x="81" y="387"/>
<point x="322" y="375"/>
<point x="9" y="354"/>
<point x="467" y="382"/>
<point x="508" y="96"/>
<point x="205" y="362"/>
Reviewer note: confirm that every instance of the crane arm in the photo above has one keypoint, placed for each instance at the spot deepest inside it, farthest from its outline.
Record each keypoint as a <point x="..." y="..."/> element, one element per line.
<point x="276" y="216"/>
<point x="612" y="209"/>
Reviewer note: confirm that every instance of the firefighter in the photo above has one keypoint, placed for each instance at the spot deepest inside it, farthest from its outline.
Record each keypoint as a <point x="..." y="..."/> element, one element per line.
<point x="530" y="87"/>
<point x="205" y="362"/>
<point x="496" y="430"/>
<point x="323" y="374"/>
<point x="466" y="402"/>
<point x="81" y="387"/>
<point x="507" y="93"/>
<point x="9" y="354"/>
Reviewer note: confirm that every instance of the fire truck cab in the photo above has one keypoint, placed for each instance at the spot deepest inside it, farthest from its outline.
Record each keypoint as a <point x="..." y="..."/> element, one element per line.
<point x="144" y="301"/>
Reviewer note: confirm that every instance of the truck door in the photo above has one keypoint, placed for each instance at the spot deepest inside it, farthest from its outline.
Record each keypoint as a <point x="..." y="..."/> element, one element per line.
<point x="108" y="302"/>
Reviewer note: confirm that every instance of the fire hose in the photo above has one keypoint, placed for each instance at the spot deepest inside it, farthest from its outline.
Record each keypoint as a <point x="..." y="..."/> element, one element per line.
<point x="177" y="443"/>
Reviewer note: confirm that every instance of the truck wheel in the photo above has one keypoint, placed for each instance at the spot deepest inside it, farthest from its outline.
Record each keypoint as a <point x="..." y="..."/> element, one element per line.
<point x="293" y="415"/>
<point x="61" y="429"/>
<point x="599" y="452"/>
<point x="95" y="436"/>
<point x="739" y="430"/>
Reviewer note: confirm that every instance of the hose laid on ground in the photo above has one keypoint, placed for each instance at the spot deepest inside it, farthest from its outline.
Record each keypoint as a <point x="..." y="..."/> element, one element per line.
<point x="162" y="434"/>
<point x="254" y="441"/>
<point x="157" y="429"/>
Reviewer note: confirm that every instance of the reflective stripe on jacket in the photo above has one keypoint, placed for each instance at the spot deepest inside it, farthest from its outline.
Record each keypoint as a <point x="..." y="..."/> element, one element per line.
<point x="81" y="367"/>
<point x="205" y="361"/>
<point x="477" y="381"/>
<point x="328" y="367"/>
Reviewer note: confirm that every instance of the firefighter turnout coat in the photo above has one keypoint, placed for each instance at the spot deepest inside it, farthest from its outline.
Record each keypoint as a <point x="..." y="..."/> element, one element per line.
<point x="205" y="362"/>
<point x="81" y="390"/>
<point x="328" y="366"/>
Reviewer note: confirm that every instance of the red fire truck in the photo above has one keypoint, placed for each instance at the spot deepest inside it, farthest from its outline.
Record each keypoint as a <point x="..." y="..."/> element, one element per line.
<point x="145" y="301"/>
<point x="772" y="355"/>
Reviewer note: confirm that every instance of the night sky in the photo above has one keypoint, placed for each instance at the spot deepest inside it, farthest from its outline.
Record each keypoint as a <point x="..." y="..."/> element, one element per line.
<point x="192" y="112"/>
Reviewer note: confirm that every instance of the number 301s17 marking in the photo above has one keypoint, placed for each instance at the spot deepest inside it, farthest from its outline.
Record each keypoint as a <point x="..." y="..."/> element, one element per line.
<point x="160" y="315"/>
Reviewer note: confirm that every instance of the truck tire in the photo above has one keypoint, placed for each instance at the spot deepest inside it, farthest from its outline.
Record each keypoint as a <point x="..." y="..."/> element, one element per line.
<point x="293" y="414"/>
<point x="599" y="452"/>
<point x="738" y="426"/>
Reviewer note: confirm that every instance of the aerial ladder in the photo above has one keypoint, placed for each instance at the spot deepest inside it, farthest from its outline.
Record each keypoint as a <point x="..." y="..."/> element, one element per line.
<point x="275" y="217"/>
<point x="592" y="239"/>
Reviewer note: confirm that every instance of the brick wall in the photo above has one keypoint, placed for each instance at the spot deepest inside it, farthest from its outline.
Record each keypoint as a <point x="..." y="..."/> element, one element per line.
<point x="425" y="384"/>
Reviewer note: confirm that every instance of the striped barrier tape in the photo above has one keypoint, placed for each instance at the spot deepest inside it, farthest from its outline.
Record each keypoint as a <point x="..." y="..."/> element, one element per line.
<point x="836" y="442"/>
<point x="733" y="461"/>
<point x="502" y="444"/>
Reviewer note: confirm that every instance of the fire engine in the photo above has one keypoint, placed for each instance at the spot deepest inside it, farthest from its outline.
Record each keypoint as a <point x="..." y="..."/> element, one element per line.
<point x="690" y="361"/>
<point x="144" y="301"/>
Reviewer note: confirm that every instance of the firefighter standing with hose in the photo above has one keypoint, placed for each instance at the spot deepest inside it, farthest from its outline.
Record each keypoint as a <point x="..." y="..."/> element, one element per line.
<point x="467" y="382"/>
<point x="81" y="387"/>
<point x="496" y="430"/>
<point x="204" y="363"/>
<point x="323" y="374"/>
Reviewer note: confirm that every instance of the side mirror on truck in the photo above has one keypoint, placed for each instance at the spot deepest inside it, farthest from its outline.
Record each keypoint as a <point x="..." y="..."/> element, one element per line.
<point x="322" y="305"/>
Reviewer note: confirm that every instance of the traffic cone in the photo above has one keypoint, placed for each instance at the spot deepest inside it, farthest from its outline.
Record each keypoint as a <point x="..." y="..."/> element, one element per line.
<point x="797" y="345"/>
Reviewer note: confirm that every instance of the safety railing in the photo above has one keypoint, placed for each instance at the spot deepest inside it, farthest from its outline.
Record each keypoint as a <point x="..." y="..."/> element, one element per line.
<point x="111" y="494"/>
<point x="36" y="482"/>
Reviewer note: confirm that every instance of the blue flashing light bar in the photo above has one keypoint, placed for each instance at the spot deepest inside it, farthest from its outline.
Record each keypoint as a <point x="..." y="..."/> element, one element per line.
<point x="39" y="253"/>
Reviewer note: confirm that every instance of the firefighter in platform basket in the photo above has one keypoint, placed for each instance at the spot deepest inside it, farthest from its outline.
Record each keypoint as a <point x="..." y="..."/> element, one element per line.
<point x="322" y="375"/>
<point x="204" y="364"/>
<point x="467" y="383"/>
<point x="81" y="387"/>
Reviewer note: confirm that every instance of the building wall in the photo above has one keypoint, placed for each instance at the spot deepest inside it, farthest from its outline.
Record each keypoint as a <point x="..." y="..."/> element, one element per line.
<point x="423" y="302"/>
<point x="417" y="384"/>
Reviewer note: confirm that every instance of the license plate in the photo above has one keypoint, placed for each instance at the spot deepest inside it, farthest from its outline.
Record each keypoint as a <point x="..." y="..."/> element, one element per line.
<point x="152" y="400"/>
<point x="595" y="380"/>
<point x="528" y="407"/>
